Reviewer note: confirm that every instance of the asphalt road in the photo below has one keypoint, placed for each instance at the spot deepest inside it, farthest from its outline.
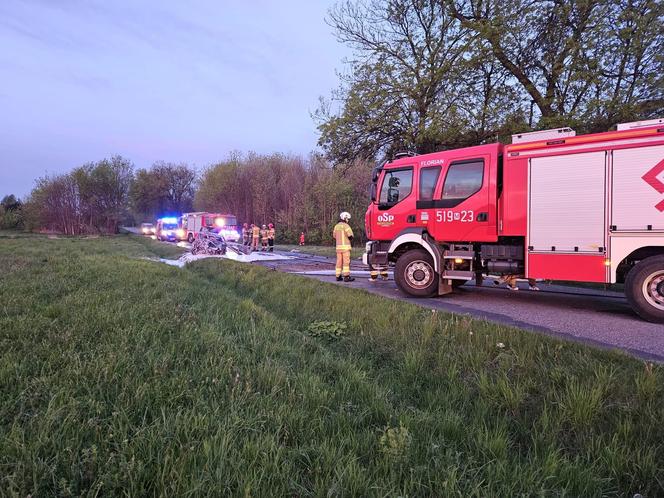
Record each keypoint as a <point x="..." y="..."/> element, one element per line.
<point x="594" y="317"/>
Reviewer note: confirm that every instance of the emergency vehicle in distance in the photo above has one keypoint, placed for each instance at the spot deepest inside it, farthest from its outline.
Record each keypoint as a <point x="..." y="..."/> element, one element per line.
<point x="169" y="229"/>
<point x="550" y="205"/>
<point x="223" y="224"/>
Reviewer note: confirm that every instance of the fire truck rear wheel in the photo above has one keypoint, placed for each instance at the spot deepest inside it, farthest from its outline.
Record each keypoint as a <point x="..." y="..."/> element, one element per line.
<point x="415" y="275"/>
<point x="190" y="238"/>
<point x="644" y="288"/>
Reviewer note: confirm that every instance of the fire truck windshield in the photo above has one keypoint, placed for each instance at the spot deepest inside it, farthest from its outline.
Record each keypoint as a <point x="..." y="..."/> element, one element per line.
<point x="221" y="221"/>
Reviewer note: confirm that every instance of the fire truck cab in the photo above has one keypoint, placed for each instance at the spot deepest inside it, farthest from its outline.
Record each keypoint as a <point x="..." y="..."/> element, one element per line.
<point x="551" y="205"/>
<point x="223" y="224"/>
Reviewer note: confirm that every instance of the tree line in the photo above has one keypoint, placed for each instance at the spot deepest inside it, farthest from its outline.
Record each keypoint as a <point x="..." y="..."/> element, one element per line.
<point x="100" y="196"/>
<point x="295" y="193"/>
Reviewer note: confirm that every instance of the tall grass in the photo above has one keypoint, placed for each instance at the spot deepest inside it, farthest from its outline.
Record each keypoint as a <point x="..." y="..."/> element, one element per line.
<point x="124" y="376"/>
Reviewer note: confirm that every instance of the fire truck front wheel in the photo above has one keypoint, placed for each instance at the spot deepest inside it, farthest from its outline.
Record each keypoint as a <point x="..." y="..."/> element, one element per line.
<point x="644" y="288"/>
<point x="415" y="275"/>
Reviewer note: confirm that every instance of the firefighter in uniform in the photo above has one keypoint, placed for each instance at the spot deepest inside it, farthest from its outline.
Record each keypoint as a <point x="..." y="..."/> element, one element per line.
<point x="302" y="239"/>
<point x="263" y="233"/>
<point x="255" y="235"/>
<point x="343" y="235"/>
<point x="270" y="237"/>
<point x="246" y="234"/>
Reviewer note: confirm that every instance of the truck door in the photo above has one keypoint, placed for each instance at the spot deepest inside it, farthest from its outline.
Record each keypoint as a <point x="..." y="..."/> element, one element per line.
<point x="396" y="203"/>
<point x="463" y="209"/>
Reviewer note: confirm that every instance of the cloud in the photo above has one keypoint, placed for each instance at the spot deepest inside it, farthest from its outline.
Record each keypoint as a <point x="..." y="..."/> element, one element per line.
<point x="175" y="80"/>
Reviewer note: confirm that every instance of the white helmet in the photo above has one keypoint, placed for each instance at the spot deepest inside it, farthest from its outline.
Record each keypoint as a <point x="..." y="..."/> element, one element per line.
<point x="345" y="216"/>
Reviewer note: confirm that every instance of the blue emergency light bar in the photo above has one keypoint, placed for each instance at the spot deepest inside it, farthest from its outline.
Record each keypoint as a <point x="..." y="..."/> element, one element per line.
<point x="169" y="220"/>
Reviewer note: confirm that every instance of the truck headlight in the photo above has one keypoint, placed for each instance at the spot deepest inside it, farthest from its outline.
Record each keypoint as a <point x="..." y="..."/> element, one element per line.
<point x="180" y="234"/>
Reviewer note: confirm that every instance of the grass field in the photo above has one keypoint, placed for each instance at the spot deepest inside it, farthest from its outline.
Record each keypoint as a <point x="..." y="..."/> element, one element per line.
<point x="120" y="375"/>
<point x="330" y="251"/>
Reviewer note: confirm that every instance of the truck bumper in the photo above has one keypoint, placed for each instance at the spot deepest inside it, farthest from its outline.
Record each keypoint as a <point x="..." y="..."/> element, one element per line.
<point x="373" y="256"/>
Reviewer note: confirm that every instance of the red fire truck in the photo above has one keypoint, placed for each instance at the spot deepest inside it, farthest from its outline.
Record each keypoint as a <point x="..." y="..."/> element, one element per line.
<point x="551" y="205"/>
<point x="223" y="224"/>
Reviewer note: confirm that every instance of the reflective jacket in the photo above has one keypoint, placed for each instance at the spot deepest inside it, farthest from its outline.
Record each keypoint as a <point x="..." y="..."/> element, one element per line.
<point x="256" y="231"/>
<point x="270" y="233"/>
<point x="342" y="234"/>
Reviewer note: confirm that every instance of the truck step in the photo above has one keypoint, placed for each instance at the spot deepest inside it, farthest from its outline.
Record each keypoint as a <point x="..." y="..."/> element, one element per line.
<point x="457" y="275"/>
<point x="458" y="255"/>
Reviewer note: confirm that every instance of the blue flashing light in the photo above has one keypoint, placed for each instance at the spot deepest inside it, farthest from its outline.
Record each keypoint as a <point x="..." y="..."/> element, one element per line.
<point x="169" y="220"/>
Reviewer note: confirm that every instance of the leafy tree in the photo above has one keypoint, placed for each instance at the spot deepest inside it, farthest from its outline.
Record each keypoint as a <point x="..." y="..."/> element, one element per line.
<point x="433" y="74"/>
<point x="103" y="189"/>
<point x="10" y="203"/>
<point x="54" y="205"/>
<point x="418" y="82"/>
<point x="178" y="182"/>
<point x="145" y="195"/>
<point x="164" y="188"/>
<point x="221" y="188"/>
<point x="11" y="212"/>
<point x="585" y="62"/>
<point x="388" y="99"/>
<point x="92" y="197"/>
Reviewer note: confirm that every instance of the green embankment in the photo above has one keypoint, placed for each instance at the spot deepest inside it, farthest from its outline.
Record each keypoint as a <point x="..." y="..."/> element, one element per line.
<point x="125" y="376"/>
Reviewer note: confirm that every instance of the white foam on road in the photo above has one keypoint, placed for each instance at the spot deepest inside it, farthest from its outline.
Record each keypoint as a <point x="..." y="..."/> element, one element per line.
<point x="256" y="256"/>
<point x="187" y="258"/>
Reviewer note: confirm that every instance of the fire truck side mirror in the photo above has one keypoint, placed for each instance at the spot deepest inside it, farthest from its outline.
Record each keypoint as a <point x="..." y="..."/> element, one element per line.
<point x="375" y="172"/>
<point x="372" y="192"/>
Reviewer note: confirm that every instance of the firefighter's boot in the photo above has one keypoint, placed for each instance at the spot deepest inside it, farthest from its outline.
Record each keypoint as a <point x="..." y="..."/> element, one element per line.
<point x="348" y="278"/>
<point x="375" y="273"/>
<point x="339" y="278"/>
